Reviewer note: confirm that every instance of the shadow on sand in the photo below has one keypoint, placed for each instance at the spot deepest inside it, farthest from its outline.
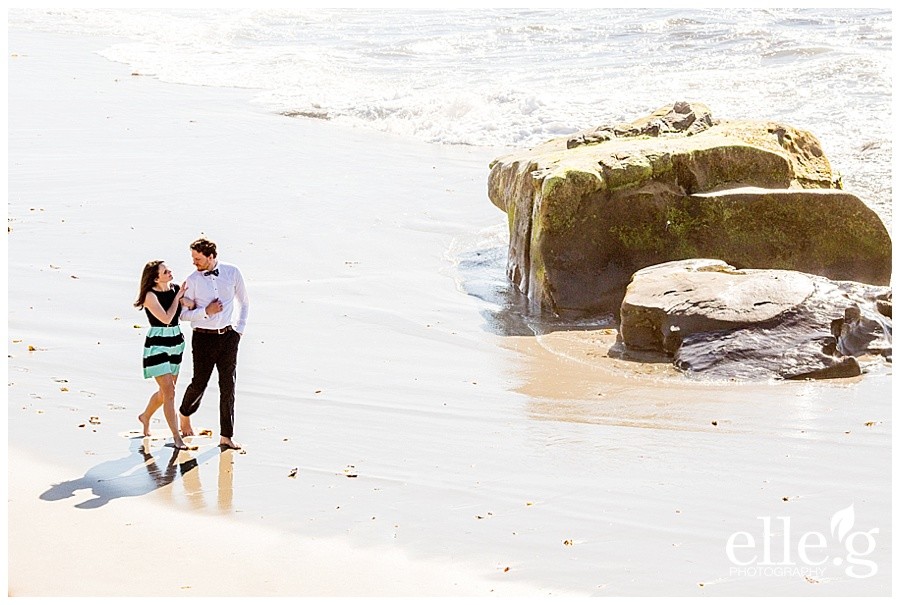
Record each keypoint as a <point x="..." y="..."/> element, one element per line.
<point x="137" y="474"/>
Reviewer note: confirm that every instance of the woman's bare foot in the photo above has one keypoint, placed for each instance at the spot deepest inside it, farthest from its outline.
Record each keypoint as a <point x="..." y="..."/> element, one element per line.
<point x="145" y="423"/>
<point x="186" y="429"/>
<point x="228" y="444"/>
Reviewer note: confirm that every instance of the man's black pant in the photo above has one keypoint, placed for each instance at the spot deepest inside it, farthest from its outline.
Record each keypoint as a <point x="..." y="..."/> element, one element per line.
<point x="210" y="350"/>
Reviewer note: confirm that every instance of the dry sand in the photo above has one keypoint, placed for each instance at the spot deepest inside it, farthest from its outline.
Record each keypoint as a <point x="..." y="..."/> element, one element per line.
<point x="440" y="448"/>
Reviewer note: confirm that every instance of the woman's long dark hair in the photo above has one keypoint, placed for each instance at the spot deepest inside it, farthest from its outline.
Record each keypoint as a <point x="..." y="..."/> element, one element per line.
<point x="148" y="280"/>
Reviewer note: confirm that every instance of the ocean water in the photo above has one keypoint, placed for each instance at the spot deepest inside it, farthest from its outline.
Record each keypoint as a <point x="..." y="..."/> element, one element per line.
<point x="513" y="78"/>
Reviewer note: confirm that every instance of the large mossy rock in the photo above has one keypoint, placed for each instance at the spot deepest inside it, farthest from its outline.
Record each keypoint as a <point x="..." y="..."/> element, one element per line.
<point x="714" y="320"/>
<point x="587" y="211"/>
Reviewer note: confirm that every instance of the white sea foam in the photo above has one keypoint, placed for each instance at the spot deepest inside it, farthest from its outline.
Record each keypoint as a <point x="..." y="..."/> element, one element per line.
<point x="517" y="77"/>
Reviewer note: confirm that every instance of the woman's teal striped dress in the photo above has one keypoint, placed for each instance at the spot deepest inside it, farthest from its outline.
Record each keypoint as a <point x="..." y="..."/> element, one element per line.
<point x="165" y="342"/>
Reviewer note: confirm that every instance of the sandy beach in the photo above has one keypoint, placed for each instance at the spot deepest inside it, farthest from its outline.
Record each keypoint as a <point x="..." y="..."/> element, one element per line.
<point x="440" y="446"/>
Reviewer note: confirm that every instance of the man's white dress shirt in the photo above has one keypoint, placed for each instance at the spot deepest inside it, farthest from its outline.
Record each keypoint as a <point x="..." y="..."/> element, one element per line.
<point x="227" y="286"/>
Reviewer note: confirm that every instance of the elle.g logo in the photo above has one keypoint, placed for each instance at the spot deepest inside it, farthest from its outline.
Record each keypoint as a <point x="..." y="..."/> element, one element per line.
<point x="809" y="555"/>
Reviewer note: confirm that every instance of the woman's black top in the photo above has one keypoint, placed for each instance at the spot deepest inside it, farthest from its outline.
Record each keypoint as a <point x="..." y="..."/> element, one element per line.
<point x="165" y="300"/>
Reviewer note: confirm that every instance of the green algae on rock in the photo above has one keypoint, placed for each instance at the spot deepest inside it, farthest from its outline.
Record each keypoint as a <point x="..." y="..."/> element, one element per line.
<point x="588" y="210"/>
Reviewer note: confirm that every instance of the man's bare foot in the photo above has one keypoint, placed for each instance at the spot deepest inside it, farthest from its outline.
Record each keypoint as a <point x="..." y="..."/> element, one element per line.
<point x="145" y="423"/>
<point x="186" y="429"/>
<point x="228" y="444"/>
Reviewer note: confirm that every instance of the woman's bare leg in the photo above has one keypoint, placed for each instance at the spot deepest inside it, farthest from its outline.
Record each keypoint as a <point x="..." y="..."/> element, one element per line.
<point x="167" y="389"/>
<point x="184" y="423"/>
<point x="153" y="404"/>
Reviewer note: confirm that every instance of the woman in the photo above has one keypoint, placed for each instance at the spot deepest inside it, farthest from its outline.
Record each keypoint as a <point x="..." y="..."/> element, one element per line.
<point x="164" y="344"/>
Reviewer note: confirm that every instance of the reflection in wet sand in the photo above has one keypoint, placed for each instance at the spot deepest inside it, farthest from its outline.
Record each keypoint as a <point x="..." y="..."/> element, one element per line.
<point x="144" y="471"/>
<point x="226" y="481"/>
<point x="571" y="376"/>
<point x="573" y="370"/>
<point x="190" y="480"/>
<point x="192" y="486"/>
<point x="160" y="476"/>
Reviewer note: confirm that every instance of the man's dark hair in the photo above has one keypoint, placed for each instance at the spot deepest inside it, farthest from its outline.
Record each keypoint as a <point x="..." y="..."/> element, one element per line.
<point x="204" y="247"/>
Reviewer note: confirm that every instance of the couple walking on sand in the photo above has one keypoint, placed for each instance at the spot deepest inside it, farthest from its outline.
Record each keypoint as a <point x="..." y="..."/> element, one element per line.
<point x="206" y="299"/>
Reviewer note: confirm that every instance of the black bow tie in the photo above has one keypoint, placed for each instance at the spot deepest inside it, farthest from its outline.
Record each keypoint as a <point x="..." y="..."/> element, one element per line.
<point x="213" y="272"/>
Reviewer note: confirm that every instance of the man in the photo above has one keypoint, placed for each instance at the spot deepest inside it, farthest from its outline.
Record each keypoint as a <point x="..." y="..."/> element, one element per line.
<point x="214" y="287"/>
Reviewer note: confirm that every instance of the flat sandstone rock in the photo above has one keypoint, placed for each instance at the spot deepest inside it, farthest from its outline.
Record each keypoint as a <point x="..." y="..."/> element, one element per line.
<point x="715" y="320"/>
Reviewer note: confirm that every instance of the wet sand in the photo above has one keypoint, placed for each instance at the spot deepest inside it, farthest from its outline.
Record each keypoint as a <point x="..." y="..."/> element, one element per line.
<point x="440" y="447"/>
